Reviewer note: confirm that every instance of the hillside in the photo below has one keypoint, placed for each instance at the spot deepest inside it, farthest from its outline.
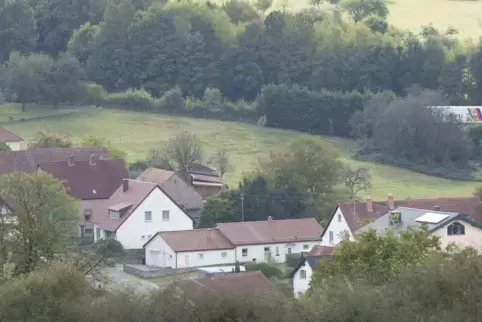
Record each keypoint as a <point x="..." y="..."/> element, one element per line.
<point x="136" y="133"/>
<point x="466" y="16"/>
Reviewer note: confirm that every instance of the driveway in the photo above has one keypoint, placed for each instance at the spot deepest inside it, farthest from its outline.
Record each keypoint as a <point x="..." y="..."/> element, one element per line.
<point x="117" y="279"/>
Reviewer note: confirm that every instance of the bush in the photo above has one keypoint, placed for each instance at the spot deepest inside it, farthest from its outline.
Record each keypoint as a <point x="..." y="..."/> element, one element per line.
<point x="95" y="94"/>
<point x="268" y="269"/>
<point x="134" y="100"/>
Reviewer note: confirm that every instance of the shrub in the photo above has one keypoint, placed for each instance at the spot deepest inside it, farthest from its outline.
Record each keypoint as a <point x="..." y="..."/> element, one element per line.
<point x="134" y="100"/>
<point x="268" y="269"/>
<point x="95" y="94"/>
<point x="171" y="101"/>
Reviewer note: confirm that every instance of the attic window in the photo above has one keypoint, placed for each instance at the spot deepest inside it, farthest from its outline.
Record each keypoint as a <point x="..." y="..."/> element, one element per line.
<point x="303" y="274"/>
<point x="456" y="229"/>
<point x="114" y="214"/>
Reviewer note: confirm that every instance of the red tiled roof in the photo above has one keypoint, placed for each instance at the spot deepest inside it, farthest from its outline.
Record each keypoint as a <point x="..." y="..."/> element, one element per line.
<point x="358" y="218"/>
<point x="272" y="231"/>
<point x="135" y="194"/>
<point x="28" y="160"/>
<point x="252" y="284"/>
<point x="88" y="181"/>
<point x="197" y="239"/>
<point x="174" y="186"/>
<point x="7" y="136"/>
<point x="321" y="251"/>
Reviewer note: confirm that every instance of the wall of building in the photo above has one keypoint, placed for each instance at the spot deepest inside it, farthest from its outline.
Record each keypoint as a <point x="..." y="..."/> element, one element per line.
<point x="277" y="252"/>
<point x="15" y="146"/>
<point x="472" y="237"/>
<point x="300" y="286"/>
<point x="207" y="191"/>
<point x="160" y="254"/>
<point x="339" y="228"/>
<point x="135" y="231"/>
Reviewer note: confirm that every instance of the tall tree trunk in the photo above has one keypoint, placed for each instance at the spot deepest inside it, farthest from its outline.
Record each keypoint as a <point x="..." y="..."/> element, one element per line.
<point x="23" y="106"/>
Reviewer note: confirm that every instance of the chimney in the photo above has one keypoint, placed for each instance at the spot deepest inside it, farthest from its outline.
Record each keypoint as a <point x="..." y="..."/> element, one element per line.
<point x="436" y="208"/>
<point x="369" y="204"/>
<point x="391" y="202"/>
<point x="125" y="185"/>
<point x="92" y="159"/>
<point x="270" y="218"/>
<point x="71" y="161"/>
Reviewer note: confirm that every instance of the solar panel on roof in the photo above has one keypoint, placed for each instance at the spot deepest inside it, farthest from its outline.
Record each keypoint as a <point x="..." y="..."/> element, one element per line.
<point x="432" y="218"/>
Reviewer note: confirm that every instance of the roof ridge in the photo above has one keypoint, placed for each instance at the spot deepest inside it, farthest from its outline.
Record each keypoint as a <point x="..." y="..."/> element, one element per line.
<point x="263" y="221"/>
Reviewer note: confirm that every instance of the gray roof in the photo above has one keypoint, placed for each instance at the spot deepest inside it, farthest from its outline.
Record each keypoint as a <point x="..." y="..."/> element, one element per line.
<point x="409" y="218"/>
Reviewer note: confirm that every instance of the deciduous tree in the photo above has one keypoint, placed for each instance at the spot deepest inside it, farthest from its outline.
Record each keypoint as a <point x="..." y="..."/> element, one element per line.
<point x="44" y="139"/>
<point x="221" y="161"/>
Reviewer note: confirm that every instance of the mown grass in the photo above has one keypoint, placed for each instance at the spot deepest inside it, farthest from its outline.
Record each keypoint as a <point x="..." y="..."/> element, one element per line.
<point x="136" y="133"/>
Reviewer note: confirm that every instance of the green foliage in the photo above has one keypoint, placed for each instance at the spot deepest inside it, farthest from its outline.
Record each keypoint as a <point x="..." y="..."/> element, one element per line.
<point x="92" y="141"/>
<point x="45" y="215"/>
<point x="4" y="147"/>
<point x="217" y="210"/>
<point x="172" y="100"/>
<point x="82" y="40"/>
<point x="360" y="9"/>
<point x="239" y="11"/>
<point x="375" y="257"/>
<point x="270" y="270"/>
<point x="108" y="248"/>
<point x="45" y="139"/>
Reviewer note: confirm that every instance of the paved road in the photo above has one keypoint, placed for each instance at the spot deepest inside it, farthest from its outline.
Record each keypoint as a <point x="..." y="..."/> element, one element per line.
<point x="117" y="279"/>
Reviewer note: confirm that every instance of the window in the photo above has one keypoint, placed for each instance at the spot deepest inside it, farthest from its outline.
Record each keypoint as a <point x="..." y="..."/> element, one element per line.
<point x="165" y="215"/>
<point x="148" y="216"/>
<point x="289" y="250"/>
<point x="303" y="274"/>
<point x="114" y="214"/>
<point x="87" y="214"/>
<point x="339" y="218"/>
<point x="143" y="237"/>
<point x="331" y="237"/>
<point x="306" y="246"/>
<point x="201" y="256"/>
<point x="456" y="229"/>
<point x="224" y="254"/>
<point x="244" y="251"/>
<point x="88" y="230"/>
<point x="266" y="249"/>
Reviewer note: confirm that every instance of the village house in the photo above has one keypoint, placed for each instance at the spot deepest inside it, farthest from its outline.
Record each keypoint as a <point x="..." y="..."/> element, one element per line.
<point x="13" y="141"/>
<point x="189" y="248"/>
<point x="301" y="275"/>
<point x="227" y="243"/>
<point x="246" y="284"/>
<point x="205" y="180"/>
<point x="137" y="211"/>
<point x="348" y="217"/>
<point x="177" y="188"/>
<point x="452" y="228"/>
<point x="91" y="182"/>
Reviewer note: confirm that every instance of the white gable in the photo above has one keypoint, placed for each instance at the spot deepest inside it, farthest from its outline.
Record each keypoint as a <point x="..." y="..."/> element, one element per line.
<point x="336" y="230"/>
<point x="136" y="231"/>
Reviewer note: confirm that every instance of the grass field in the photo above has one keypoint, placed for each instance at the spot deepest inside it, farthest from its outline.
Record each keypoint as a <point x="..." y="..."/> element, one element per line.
<point x="466" y="16"/>
<point x="136" y="133"/>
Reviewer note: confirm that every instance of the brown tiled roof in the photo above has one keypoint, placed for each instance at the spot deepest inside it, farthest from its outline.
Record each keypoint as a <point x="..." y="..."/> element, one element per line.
<point x="358" y="218"/>
<point x="251" y="284"/>
<point x="194" y="240"/>
<point x="272" y="231"/>
<point x="321" y="251"/>
<point x="7" y="136"/>
<point x="28" y="160"/>
<point x="85" y="181"/>
<point x="174" y="186"/>
<point x="135" y="195"/>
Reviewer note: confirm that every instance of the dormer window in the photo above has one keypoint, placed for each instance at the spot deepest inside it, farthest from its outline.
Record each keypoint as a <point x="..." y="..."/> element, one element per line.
<point x="114" y="214"/>
<point x="87" y="214"/>
<point x="456" y="229"/>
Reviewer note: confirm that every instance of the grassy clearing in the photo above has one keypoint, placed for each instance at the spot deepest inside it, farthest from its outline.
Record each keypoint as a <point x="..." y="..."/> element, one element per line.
<point x="12" y="112"/>
<point x="136" y="133"/>
<point x="466" y="16"/>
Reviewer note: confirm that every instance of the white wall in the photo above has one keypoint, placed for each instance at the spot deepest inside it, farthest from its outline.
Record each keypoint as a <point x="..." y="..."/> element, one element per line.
<point x="339" y="227"/>
<point x="257" y="251"/>
<point x="159" y="253"/>
<point x="300" y="286"/>
<point x="15" y="146"/>
<point x="472" y="237"/>
<point x="131" y="231"/>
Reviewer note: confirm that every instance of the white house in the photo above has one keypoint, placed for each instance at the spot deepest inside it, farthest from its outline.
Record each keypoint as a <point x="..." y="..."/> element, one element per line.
<point x="190" y="248"/>
<point x="229" y="243"/>
<point x="301" y="275"/>
<point x="10" y="139"/>
<point x="350" y="216"/>
<point x="136" y="212"/>
<point x="272" y="239"/>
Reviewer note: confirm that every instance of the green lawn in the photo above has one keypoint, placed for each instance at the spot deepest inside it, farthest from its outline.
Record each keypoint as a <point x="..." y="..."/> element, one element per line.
<point x="136" y="133"/>
<point x="466" y="16"/>
<point x="12" y="112"/>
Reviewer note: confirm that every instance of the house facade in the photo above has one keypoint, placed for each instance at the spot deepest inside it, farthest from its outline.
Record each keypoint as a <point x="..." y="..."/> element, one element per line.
<point x="185" y="249"/>
<point x="205" y="180"/>
<point x="137" y="211"/>
<point x="13" y="141"/>
<point x="303" y="272"/>
<point x="348" y="217"/>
